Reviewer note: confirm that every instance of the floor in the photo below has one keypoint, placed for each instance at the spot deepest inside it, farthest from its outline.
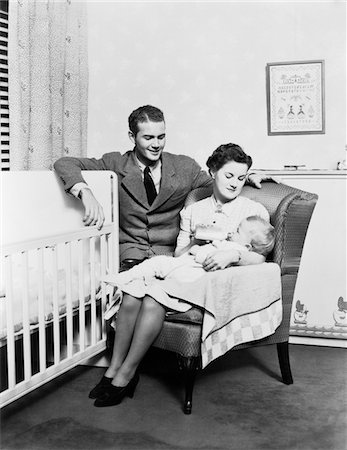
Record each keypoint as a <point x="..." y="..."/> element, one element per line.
<point x="239" y="403"/>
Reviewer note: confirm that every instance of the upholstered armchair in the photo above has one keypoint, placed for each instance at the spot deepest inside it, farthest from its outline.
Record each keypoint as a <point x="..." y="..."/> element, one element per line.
<point x="290" y="213"/>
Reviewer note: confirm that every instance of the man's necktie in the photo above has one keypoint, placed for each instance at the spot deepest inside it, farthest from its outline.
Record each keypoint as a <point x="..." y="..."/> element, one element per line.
<point x="149" y="185"/>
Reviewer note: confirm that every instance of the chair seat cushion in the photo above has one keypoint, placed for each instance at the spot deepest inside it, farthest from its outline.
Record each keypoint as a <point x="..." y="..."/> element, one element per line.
<point x="192" y="316"/>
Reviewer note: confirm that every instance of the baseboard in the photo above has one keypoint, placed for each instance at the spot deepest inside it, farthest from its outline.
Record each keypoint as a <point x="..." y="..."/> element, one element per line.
<point x="304" y="340"/>
<point x="100" y="360"/>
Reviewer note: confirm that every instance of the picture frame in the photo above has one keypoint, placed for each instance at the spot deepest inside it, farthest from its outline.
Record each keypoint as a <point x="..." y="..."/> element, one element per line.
<point x="295" y="97"/>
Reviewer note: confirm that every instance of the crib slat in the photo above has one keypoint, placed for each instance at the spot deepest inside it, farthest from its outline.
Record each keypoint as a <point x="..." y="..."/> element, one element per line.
<point x="69" y="323"/>
<point x="9" y="323"/>
<point x="42" y="332"/>
<point x="92" y="290"/>
<point x="56" y="334"/>
<point x="81" y="296"/>
<point x="26" y="319"/>
<point x="113" y="268"/>
<point x="103" y="284"/>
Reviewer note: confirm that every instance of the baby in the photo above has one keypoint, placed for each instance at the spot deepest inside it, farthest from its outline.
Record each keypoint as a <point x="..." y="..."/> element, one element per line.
<point x="253" y="234"/>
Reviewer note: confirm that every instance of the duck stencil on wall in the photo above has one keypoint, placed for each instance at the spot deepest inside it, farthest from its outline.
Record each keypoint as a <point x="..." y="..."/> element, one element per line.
<point x="300" y="314"/>
<point x="337" y="331"/>
<point x="340" y="315"/>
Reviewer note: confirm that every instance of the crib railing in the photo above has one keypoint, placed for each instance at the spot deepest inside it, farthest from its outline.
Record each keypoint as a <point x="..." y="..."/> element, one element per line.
<point x="54" y="301"/>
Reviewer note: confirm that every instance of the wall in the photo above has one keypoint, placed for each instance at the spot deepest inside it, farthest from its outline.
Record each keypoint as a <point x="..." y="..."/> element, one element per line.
<point x="204" y="65"/>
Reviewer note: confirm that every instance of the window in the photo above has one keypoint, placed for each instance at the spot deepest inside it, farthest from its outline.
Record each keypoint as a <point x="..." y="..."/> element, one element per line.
<point x="4" y="109"/>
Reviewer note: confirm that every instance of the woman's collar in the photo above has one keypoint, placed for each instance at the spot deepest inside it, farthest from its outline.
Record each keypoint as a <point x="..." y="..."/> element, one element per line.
<point x="221" y="207"/>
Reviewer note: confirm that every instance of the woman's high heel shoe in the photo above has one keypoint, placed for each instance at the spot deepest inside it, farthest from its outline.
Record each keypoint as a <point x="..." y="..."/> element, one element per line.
<point x="100" y="387"/>
<point x="113" y="395"/>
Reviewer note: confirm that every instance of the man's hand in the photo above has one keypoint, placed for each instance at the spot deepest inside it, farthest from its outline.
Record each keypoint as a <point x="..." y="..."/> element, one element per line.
<point x="220" y="259"/>
<point x="255" y="179"/>
<point x="93" y="212"/>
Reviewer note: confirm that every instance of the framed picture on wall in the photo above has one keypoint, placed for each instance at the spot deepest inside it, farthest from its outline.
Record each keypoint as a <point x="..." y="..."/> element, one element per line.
<point x="295" y="97"/>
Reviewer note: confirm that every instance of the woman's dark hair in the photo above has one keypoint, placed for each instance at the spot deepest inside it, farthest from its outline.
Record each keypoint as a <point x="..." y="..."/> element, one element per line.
<point x="225" y="153"/>
<point x="144" y="114"/>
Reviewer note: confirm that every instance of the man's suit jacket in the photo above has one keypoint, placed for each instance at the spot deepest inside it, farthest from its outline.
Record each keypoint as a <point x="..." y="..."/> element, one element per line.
<point x="144" y="230"/>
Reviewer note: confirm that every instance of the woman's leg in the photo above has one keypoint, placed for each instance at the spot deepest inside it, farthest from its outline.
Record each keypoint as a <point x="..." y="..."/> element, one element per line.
<point x="125" y="324"/>
<point x="148" y="325"/>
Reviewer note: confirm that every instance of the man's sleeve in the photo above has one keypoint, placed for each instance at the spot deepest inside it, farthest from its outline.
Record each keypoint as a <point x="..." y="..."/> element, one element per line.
<point x="200" y="177"/>
<point x="76" y="189"/>
<point x="69" y="168"/>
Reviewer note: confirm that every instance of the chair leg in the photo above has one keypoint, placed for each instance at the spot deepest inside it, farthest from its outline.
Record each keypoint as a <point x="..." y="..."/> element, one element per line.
<point x="283" y="358"/>
<point x="190" y="366"/>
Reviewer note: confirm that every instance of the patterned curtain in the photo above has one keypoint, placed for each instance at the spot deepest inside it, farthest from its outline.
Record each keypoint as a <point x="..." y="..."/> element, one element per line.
<point x="48" y="87"/>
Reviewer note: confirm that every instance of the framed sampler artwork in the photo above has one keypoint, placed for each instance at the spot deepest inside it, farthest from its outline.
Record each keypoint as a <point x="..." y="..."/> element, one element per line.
<point x="295" y="97"/>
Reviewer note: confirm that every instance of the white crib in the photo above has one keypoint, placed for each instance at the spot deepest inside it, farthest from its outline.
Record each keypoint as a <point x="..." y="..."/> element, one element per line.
<point x="52" y="299"/>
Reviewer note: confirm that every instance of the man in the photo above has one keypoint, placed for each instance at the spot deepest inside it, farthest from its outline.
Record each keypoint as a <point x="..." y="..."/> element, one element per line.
<point x="153" y="186"/>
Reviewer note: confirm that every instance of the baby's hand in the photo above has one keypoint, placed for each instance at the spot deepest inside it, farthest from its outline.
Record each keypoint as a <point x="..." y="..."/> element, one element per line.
<point x="193" y="250"/>
<point x="159" y="273"/>
<point x="218" y="244"/>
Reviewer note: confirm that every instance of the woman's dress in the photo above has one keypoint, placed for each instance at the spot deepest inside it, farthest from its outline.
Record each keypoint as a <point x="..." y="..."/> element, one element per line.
<point x="240" y="304"/>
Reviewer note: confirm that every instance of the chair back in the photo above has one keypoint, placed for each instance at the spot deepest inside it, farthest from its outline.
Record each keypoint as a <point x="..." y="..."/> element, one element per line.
<point x="290" y="212"/>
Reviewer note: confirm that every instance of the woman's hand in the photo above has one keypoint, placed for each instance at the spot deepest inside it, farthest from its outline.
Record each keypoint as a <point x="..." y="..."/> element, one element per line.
<point x="220" y="259"/>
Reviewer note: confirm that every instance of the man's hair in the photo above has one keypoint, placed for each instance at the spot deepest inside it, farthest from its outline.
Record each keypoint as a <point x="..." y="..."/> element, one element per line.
<point x="144" y="114"/>
<point x="263" y="235"/>
<point x="225" y="153"/>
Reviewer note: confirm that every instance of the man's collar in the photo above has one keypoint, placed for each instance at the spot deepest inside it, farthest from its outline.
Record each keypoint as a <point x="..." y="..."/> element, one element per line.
<point x="142" y="166"/>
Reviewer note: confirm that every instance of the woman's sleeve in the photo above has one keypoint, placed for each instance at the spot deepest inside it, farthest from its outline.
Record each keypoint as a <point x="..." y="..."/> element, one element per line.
<point x="263" y="212"/>
<point x="183" y="238"/>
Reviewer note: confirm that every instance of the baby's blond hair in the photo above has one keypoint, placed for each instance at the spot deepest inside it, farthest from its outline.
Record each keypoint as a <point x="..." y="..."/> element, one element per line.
<point x="262" y="235"/>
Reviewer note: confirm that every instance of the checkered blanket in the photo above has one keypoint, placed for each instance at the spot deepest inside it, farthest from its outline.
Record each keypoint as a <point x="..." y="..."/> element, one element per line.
<point x="246" y="328"/>
<point x="240" y="304"/>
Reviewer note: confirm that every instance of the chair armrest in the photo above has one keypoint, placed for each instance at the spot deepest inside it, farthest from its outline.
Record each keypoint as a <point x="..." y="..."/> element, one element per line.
<point x="291" y="221"/>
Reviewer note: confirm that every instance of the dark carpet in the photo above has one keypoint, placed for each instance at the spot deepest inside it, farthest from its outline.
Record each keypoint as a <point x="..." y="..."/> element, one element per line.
<point x="239" y="403"/>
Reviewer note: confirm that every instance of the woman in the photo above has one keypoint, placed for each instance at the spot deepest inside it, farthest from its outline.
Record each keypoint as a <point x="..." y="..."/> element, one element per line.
<point x="140" y="320"/>
<point x="228" y="165"/>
